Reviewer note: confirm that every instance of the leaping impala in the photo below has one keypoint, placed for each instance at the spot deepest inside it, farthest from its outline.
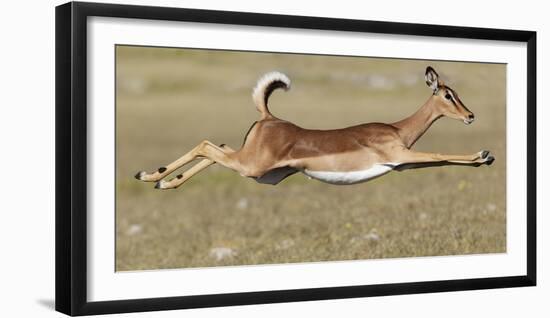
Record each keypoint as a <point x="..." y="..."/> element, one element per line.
<point x="274" y="149"/>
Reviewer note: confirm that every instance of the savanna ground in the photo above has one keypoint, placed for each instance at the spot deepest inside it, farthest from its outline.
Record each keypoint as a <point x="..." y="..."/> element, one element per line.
<point x="168" y="100"/>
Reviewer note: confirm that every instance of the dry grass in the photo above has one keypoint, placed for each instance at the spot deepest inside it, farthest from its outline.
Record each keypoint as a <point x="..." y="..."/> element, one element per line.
<point x="168" y="100"/>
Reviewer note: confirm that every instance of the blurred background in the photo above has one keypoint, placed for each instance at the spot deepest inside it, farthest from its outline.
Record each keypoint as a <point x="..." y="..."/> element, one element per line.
<point x="168" y="100"/>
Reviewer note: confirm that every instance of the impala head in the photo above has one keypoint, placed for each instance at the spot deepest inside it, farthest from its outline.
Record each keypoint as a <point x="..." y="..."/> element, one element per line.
<point x="446" y="99"/>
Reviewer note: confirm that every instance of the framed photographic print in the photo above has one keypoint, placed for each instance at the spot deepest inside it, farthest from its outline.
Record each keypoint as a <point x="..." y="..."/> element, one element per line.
<point x="211" y="158"/>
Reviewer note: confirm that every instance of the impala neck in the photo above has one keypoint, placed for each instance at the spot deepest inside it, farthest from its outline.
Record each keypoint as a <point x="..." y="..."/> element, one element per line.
<point x="414" y="126"/>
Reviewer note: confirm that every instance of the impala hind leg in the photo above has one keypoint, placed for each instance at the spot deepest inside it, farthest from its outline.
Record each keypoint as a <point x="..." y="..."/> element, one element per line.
<point x="183" y="160"/>
<point x="181" y="178"/>
<point x="413" y="160"/>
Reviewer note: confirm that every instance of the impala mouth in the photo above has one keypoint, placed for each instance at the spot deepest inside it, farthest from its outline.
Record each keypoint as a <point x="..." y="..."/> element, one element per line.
<point x="469" y="119"/>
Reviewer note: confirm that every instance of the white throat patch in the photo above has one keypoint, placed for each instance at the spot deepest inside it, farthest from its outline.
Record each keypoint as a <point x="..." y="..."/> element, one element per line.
<point x="352" y="177"/>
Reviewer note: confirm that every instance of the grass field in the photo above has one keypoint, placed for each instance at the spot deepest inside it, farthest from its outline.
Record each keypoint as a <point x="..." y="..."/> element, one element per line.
<point x="168" y="100"/>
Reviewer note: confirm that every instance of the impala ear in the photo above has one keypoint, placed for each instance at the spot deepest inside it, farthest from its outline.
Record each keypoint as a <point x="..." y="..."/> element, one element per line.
<point x="432" y="79"/>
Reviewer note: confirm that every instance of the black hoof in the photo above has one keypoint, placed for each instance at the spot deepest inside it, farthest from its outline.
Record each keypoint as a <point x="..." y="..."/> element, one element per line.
<point x="490" y="160"/>
<point x="139" y="175"/>
<point x="157" y="185"/>
<point x="484" y="154"/>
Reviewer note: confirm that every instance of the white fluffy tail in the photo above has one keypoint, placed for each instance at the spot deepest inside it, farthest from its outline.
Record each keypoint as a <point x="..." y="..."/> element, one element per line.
<point x="265" y="86"/>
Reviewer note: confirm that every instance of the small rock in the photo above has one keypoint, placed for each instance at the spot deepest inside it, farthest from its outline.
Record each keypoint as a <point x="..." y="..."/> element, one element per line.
<point x="220" y="253"/>
<point x="134" y="229"/>
<point x="371" y="237"/>
<point x="284" y="244"/>
<point x="242" y="204"/>
<point x="491" y="207"/>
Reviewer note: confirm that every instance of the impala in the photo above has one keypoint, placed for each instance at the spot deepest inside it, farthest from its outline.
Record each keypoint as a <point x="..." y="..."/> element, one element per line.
<point x="274" y="149"/>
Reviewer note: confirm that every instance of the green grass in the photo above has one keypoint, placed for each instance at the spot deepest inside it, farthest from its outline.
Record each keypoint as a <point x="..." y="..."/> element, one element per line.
<point x="168" y="100"/>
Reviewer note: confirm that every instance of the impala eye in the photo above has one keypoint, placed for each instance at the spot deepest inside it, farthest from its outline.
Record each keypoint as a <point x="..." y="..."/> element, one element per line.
<point x="448" y="96"/>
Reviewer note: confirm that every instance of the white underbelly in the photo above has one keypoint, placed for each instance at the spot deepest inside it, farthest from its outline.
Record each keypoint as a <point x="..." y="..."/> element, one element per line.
<point x="351" y="177"/>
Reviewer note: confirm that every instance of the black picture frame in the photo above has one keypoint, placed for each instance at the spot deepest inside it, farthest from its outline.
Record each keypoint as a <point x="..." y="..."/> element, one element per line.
<point x="71" y="157"/>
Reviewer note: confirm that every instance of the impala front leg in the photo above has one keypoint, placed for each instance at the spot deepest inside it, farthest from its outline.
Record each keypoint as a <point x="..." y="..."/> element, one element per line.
<point x="163" y="171"/>
<point x="413" y="160"/>
<point x="166" y="170"/>
<point x="181" y="178"/>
